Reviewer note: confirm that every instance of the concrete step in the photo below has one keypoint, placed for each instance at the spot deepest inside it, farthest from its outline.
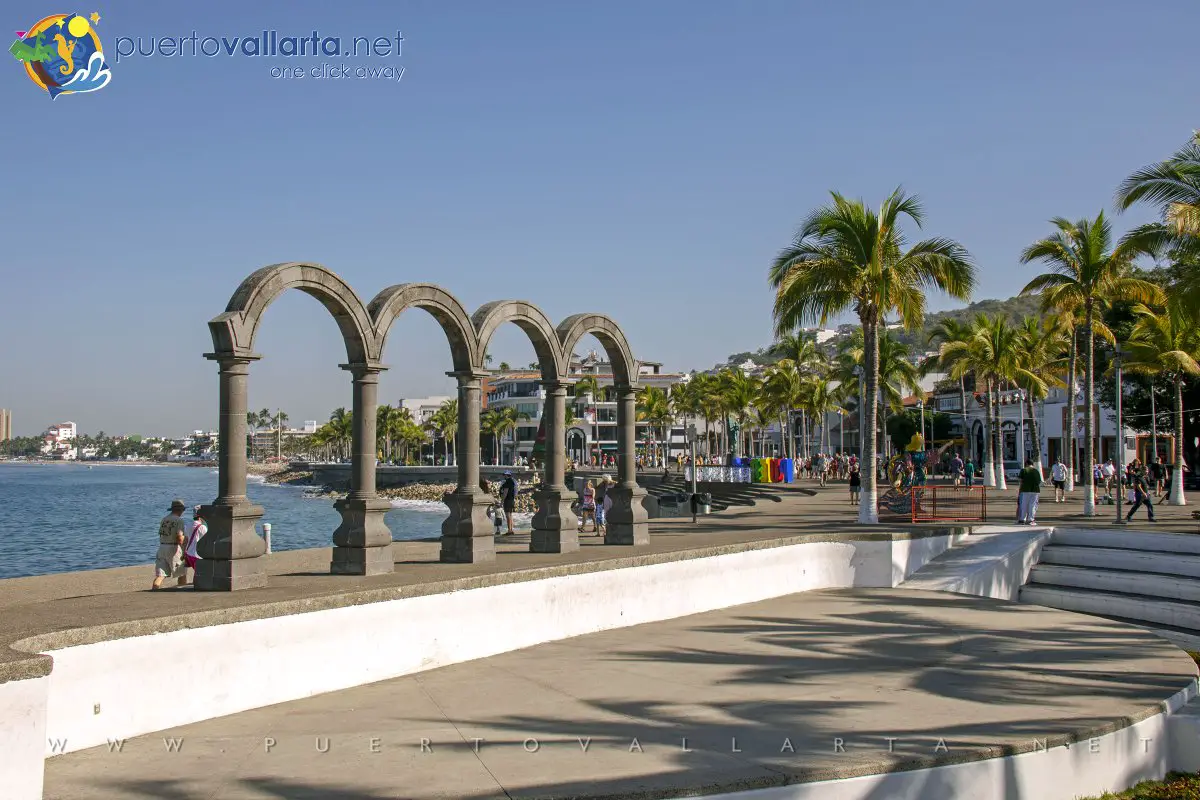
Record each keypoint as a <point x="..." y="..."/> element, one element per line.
<point x="1141" y="609"/>
<point x="1167" y="587"/>
<point x="1152" y="561"/>
<point x="1186" y="543"/>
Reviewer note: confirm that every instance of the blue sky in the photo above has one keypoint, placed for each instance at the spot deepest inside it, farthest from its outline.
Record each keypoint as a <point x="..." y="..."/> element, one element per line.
<point x="642" y="159"/>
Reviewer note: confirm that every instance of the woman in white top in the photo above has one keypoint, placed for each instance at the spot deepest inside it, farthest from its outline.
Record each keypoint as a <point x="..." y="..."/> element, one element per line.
<point x="189" y="551"/>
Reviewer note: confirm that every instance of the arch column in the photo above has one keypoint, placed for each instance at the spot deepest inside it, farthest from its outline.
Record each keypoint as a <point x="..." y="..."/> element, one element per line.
<point x="363" y="542"/>
<point x="467" y="533"/>
<point x="554" y="523"/>
<point x="626" y="521"/>
<point x="230" y="554"/>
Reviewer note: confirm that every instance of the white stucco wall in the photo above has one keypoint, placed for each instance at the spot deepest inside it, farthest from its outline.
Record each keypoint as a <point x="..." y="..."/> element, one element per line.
<point x="1107" y="763"/>
<point x="252" y="664"/>
<point x="22" y="737"/>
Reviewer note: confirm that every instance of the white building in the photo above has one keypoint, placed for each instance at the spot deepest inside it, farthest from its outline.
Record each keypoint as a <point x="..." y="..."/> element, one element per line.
<point x="423" y="408"/>
<point x="56" y="441"/>
<point x="593" y="430"/>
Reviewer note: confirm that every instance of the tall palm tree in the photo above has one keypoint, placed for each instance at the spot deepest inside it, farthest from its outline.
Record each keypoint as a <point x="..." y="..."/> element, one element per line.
<point x="280" y="418"/>
<point x="782" y="390"/>
<point x="738" y="394"/>
<point x="445" y="421"/>
<point x="1088" y="273"/>
<point x="654" y="406"/>
<point x="252" y="423"/>
<point x="490" y="423"/>
<point x="1041" y="350"/>
<point x="953" y="337"/>
<point x="847" y="256"/>
<point x="800" y="349"/>
<point x="821" y="400"/>
<point x="341" y="424"/>
<point x="1167" y="344"/>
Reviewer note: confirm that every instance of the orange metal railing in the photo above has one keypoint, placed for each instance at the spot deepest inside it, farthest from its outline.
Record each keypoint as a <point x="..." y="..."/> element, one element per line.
<point x="948" y="504"/>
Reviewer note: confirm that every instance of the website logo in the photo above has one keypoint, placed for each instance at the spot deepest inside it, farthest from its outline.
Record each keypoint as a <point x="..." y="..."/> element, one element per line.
<point x="62" y="54"/>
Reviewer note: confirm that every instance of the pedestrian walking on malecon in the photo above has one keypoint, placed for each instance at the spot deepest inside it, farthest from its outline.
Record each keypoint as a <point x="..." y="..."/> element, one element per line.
<point x="1058" y="474"/>
<point x="508" y="496"/>
<point x="168" y="561"/>
<point x="1029" y="494"/>
<point x="969" y="471"/>
<point x="1141" y="492"/>
<point x="199" y="528"/>
<point x="855" y="483"/>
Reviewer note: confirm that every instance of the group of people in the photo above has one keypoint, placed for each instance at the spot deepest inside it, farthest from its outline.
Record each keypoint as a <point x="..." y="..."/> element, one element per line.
<point x="177" y="545"/>
<point x="595" y="503"/>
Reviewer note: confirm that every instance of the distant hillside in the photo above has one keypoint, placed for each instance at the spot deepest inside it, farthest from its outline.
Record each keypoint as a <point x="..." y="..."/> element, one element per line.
<point x="1014" y="308"/>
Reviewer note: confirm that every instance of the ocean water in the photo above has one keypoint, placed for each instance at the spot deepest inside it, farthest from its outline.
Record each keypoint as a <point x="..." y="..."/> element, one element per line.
<point x="64" y="517"/>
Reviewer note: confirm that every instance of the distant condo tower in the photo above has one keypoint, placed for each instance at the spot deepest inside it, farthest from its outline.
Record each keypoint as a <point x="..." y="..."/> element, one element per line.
<point x="5" y="425"/>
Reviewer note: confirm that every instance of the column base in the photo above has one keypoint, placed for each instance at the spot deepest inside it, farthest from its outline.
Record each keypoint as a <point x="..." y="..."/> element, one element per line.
<point x="467" y="536"/>
<point x="362" y="543"/>
<point x="362" y="561"/>
<point x="625" y="523"/>
<point x="554" y="527"/>
<point x="231" y="552"/>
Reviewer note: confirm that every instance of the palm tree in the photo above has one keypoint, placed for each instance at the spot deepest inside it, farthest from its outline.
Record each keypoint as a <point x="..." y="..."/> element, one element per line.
<point x="898" y="376"/>
<point x="738" y="393"/>
<point x="847" y="256"/>
<point x="445" y="421"/>
<point x="654" y="406"/>
<point x="280" y="418"/>
<point x="782" y="390"/>
<point x="1040" y="352"/>
<point x="587" y="388"/>
<point x="341" y="432"/>
<point x="1086" y="273"/>
<point x="498" y="421"/>
<point x="1168" y="344"/>
<point x="800" y="349"/>
<point x="1174" y="187"/>
<point x="821" y="400"/>
<point x="952" y="338"/>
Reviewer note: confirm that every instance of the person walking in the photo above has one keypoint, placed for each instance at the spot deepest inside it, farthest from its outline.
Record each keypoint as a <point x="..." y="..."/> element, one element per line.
<point x="587" y="508"/>
<point x="190" y="557"/>
<point x="168" y="561"/>
<point x="969" y="472"/>
<point x="1158" y="476"/>
<point x="1141" y="494"/>
<point x="855" y="484"/>
<point x="1029" y="493"/>
<point x="1058" y="474"/>
<point x="956" y="469"/>
<point x="602" y="488"/>
<point x="508" y="499"/>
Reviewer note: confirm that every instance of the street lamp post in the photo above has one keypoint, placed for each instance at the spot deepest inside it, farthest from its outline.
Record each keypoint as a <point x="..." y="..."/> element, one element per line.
<point x="1120" y="438"/>
<point x="862" y="453"/>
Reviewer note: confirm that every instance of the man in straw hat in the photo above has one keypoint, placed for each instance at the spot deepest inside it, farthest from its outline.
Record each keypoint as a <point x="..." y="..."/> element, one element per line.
<point x="168" y="561"/>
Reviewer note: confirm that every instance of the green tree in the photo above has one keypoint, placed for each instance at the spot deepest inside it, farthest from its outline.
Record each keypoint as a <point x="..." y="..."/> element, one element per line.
<point x="1167" y="344"/>
<point x="1041" y="351"/>
<point x="847" y="256"/>
<point x="1086" y="273"/>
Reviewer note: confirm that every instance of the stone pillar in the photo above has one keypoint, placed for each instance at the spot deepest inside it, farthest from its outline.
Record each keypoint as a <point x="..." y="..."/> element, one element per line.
<point x="363" y="542"/>
<point x="626" y="521"/>
<point x="231" y="551"/>
<point x="467" y="535"/>
<point x="554" y="528"/>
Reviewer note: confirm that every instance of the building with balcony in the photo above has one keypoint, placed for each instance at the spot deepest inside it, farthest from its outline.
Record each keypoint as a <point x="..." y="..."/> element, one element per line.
<point x="591" y="418"/>
<point x="56" y="441"/>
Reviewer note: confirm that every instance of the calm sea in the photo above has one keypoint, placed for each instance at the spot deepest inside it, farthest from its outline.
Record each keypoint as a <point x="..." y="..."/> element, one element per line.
<point x="63" y="517"/>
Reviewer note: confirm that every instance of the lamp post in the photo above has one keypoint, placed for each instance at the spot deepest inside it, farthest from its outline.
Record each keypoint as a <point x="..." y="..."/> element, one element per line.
<point x="1153" y="426"/>
<point x="862" y="454"/>
<point x="1021" y="428"/>
<point x="1120" y="438"/>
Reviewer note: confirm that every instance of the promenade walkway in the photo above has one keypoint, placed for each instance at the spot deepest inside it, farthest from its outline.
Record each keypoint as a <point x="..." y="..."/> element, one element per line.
<point x="813" y="686"/>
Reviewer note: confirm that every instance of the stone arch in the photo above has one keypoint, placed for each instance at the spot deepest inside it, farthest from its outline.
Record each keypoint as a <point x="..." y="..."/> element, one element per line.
<point x="441" y="305"/>
<point x="233" y="331"/>
<point x="530" y="319"/>
<point x="611" y="337"/>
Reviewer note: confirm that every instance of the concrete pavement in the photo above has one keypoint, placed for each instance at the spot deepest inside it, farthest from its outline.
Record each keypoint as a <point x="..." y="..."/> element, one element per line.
<point x="807" y="687"/>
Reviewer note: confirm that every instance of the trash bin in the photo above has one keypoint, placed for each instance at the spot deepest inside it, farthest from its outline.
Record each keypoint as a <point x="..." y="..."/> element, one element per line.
<point x="702" y="503"/>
